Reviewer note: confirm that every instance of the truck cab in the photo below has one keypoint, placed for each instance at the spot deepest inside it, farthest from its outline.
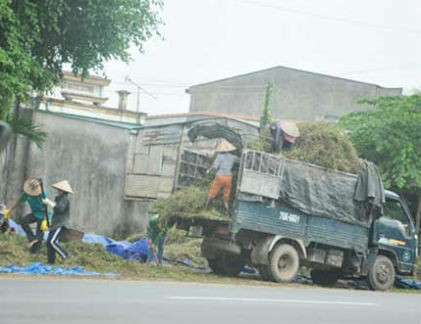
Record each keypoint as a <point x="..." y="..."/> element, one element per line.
<point x="395" y="235"/>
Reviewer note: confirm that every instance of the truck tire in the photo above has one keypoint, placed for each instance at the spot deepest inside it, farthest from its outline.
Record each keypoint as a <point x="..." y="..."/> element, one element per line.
<point x="284" y="263"/>
<point x="381" y="275"/>
<point x="227" y="265"/>
<point x="324" y="278"/>
<point x="215" y="266"/>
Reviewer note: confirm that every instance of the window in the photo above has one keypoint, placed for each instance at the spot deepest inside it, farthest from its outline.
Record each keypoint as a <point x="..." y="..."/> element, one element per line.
<point x="393" y="209"/>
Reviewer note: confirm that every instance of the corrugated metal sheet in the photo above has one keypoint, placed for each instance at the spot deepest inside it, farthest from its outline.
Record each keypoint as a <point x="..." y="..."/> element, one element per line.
<point x="162" y="135"/>
<point x="337" y="233"/>
<point x="263" y="218"/>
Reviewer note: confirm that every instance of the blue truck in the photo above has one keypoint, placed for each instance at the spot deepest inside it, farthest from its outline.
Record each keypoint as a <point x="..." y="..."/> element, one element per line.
<point x="289" y="214"/>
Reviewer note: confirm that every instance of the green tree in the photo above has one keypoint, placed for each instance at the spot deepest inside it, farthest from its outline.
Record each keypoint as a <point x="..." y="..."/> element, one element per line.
<point x="390" y="136"/>
<point x="37" y="38"/>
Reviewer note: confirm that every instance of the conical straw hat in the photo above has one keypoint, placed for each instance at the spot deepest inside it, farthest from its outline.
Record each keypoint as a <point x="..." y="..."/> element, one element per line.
<point x="63" y="186"/>
<point x="290" y="128"/>
<point x="225" y="146"/>
<point x="32" y="186"/>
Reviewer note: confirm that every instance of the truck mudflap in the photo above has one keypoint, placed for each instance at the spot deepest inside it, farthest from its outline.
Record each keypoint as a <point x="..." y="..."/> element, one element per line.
<point x="214" y="247"/>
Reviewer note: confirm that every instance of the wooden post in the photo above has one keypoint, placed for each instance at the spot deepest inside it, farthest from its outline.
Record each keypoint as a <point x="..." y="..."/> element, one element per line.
<point x="418" y="215"/>
<point x="178" y="160"/>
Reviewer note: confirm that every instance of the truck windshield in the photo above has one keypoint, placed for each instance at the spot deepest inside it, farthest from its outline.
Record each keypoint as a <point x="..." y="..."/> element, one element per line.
<point x="393" y="209"/>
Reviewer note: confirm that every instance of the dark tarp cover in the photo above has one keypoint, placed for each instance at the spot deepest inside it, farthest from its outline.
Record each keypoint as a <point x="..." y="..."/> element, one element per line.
<point x="314" y="190"/>
<point x="318" y="191"/>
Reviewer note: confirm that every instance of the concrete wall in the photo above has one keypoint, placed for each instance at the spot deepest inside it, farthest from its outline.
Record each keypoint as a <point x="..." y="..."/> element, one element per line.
<point x="92" y="157"/>
<point x="297" y="95"/>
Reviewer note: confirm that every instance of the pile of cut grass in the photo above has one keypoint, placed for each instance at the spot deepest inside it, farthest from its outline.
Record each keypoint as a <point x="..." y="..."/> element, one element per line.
<point x="94" y="257"/>
<point x="189" y="202"/>
<point x="326" y="145"/>
<point x="321" y="143"/>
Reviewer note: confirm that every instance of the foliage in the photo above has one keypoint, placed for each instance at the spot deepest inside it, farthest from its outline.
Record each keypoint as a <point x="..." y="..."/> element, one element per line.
<point x="28" y="128"/>
<point x="39" y="37"/>
<point x="266" y="117"/>
<point x="390" y="136"/>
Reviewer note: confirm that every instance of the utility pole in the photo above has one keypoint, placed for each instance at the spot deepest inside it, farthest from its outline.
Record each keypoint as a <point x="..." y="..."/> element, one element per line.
<point x="138" y="88"/>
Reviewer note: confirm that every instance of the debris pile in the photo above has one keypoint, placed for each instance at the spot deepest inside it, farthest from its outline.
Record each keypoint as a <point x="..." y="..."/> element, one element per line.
<point x="188" y="202"/>
<point x="326" y="145"/>
<point x="321" y="143"/>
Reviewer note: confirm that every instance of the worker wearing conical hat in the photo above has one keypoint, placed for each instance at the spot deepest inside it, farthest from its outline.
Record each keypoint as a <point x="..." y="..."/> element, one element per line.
<point x="283" y="134"/>
<point x="61" y="215"/>
<point x="223" y="165"/>
<point x="37" y="199"/>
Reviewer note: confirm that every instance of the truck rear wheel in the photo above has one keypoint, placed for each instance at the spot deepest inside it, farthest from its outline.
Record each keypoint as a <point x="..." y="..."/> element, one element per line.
<point x="381" y="275"/>
<point x="227" y="265"/>
<point x="324" y="278"/>
<point x="284" y="263"/>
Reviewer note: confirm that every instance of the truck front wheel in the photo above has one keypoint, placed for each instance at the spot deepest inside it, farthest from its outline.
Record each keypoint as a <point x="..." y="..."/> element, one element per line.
<point x="284" y="263"/>
<point x="381" y="275"/>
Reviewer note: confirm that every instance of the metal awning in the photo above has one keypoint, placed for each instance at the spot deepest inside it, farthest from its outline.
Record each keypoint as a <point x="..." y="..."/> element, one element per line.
<point x="215" y="130"/>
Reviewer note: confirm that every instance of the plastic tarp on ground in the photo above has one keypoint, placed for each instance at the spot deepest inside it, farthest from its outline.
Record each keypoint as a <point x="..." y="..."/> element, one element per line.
<point x="135" y="251"/>
<point x="37" y="268"/>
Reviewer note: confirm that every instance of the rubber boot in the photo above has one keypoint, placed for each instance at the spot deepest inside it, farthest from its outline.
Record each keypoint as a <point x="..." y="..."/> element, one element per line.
<point x="207" y="202"/>
<point x="226" y="208"/>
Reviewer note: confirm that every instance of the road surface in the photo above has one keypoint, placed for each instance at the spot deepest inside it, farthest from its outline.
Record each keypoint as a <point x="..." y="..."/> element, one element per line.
<point x="46" y="300"/>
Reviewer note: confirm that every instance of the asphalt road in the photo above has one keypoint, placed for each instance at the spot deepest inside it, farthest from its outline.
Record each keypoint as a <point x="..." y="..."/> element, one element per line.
<point x="44" y="301"/>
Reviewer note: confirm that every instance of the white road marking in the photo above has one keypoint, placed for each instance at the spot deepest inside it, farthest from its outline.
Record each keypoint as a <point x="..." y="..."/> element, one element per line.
<point x="270" y="300"/>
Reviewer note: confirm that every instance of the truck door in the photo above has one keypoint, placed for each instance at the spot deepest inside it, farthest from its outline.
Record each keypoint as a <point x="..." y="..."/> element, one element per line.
<point x="395" y="232"/>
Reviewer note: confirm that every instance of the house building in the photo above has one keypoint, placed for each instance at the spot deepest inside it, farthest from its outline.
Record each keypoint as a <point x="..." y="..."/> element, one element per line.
<point x="296" y="94"/>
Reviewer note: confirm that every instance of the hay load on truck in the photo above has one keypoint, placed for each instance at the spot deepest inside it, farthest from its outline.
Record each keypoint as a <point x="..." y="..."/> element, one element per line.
<point x="290" y="213"/>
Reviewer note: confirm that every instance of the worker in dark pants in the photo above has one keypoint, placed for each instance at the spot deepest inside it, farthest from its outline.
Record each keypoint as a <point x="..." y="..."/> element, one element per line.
<point x="283" y="135"/>
<point x="61" y="215"/>
<point x="157" y="234"/>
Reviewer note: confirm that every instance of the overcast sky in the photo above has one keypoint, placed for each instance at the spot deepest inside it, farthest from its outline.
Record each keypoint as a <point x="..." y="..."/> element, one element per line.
<point x="375" y="41"/>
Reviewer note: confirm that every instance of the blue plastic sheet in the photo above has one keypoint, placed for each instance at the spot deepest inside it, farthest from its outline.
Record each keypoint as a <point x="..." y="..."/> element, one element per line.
<point x="135" y="251"/>
<point x="407" y="283"/>
<point x="15" y="227"/>
<point x="95" y="238"/>
<point x="38" y="268"/>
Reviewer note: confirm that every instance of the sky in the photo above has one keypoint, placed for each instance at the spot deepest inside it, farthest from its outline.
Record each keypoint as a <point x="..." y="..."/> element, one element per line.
<point x="374" y="41"/>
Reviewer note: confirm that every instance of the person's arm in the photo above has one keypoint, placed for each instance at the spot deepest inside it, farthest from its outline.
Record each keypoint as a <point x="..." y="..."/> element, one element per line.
<point x="16" y="204"/>
<point x="61" y="206"/>
<point x="215" y="164"/>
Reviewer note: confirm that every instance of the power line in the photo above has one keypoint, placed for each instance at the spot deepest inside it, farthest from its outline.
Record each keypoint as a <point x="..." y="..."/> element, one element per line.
<point x="325" y="17"/>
